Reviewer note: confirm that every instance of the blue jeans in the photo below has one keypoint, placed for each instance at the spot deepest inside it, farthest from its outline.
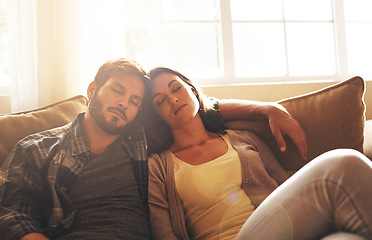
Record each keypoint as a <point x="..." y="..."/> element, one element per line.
<point x="332" y="193"/>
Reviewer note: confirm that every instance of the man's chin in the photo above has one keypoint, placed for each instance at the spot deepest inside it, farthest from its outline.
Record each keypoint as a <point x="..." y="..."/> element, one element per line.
<point x="113" y="128"/>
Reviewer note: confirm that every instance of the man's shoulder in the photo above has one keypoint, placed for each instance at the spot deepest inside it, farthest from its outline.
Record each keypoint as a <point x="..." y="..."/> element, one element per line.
<point x="44" y="139"/>
<point x="36" y="146"/>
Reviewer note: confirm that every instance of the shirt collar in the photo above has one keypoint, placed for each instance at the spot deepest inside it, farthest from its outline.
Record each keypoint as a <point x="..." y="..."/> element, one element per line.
<point x="79" y="142"/>
<point x="133" y="140"/>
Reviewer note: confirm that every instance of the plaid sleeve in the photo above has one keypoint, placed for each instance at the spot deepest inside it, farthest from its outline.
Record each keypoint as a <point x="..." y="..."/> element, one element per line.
<point x="20" y="195"/>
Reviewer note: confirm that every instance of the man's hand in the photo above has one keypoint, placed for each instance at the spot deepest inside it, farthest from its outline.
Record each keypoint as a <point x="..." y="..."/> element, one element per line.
<point x="33" y="236"/>
<point x="282" y="123"/>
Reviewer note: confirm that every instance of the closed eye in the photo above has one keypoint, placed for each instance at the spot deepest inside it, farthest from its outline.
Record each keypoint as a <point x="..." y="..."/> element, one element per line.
<point x="175" y="89"/>
<point x="159" y="101"/>
<point x="135" y="102"/>
<point x="117" y="91"/>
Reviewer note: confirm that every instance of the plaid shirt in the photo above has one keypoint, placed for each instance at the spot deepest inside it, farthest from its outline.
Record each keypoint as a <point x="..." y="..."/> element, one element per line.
<point x="41" y="168"/>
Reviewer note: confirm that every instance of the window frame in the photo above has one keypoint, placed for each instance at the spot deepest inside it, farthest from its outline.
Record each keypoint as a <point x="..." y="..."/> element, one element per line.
<point x="228" y="62"/>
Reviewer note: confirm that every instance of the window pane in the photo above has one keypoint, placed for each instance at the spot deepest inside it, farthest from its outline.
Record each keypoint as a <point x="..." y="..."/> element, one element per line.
<point x="308" y="10"/>
<point x="135" y="11"/>
<point x="259" y="49"/>
<point x="192" y="47"/>
<point x="256" y="10"/>
<point x="358" y="10"/>
<point x="143" y="43"/>
<point x="359" y="47"/>
<point x="311" y="49"/>
<point x="190" y="9"/>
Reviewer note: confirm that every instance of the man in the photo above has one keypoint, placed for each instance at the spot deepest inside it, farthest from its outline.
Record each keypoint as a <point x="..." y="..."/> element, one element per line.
<point x="88" y="179"/>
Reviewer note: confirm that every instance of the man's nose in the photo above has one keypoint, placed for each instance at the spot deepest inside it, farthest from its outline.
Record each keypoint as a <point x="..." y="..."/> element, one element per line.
<point x="123" y="103"/>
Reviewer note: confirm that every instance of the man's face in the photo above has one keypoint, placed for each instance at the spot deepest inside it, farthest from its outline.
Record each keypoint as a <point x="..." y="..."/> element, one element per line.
<point x="116" y="103"/>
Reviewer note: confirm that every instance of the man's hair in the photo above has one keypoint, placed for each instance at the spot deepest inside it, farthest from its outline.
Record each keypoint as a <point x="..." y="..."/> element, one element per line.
<point x="116" y="68"/>
<point x="120" y="67"/>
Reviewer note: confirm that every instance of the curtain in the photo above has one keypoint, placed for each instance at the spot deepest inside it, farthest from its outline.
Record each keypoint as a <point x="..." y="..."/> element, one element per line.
<point x="57" y="46"/>
<point x="22" y="32"/>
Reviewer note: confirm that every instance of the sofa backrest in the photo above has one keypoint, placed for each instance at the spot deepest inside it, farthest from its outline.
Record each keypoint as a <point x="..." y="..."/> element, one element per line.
<point x="16" y="126"/>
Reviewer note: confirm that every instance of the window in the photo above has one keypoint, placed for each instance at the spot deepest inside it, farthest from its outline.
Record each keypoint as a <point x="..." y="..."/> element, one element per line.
<point x="358" y="29"/>
<point x="179" y="34"/>
<point x="225" y="41"/>
<point x="293" y="38"/>
<point x="240" y="41"/>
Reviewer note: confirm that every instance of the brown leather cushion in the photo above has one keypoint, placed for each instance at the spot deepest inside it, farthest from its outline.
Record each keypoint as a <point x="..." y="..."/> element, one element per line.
<point x="14" y="127"/>
<point x="332" y="117"/>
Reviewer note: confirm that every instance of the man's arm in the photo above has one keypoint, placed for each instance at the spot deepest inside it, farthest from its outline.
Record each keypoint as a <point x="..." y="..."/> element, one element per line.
<point x="20" y="196"/>
<point x="280" y="121"/>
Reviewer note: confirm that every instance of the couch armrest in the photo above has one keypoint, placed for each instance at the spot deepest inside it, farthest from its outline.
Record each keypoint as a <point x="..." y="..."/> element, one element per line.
<point x="367" y="145"/>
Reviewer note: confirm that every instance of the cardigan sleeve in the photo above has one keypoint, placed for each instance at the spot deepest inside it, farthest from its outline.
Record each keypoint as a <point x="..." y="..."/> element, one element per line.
<point x="160" y="217"/>
<point x="272" y="165"/>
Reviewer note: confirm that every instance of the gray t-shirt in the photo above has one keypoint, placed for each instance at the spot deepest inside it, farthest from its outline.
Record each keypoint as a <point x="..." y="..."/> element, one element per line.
<point x="108" y="200"/>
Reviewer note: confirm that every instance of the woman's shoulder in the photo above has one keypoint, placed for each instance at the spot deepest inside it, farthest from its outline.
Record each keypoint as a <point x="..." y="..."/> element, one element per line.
<point x="245" y="137"/>
<point x="159" y="158"/>
<point x="240" y="133"/>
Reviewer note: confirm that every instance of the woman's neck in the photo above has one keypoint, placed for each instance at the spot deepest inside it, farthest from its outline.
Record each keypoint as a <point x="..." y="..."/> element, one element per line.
<point x="193" y="133"/>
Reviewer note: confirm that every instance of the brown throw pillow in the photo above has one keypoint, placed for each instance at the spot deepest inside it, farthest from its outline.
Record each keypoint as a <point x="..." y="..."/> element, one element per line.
<point x="14" y="127"/>
<point x="332" y="117"/>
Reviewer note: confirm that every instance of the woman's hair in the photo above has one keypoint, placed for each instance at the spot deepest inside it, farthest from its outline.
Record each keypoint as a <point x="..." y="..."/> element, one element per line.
<point x="158" y="133"/>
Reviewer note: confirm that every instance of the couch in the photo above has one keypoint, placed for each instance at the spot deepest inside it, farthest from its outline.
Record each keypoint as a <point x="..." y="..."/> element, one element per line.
<point x="332" y="117"/>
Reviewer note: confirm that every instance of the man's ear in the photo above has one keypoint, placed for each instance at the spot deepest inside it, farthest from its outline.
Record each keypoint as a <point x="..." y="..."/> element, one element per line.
<point x="91" y="89"/>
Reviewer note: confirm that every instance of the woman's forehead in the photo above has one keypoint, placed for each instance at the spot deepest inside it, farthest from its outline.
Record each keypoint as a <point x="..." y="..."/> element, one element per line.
<point x="165" y="80"/>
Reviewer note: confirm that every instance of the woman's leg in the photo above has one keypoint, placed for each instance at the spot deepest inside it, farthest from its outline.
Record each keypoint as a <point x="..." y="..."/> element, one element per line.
<point x="331" y="193"/>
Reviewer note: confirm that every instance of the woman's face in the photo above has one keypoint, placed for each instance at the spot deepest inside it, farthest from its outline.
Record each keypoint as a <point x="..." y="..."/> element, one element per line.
<point x="173" y="100"/>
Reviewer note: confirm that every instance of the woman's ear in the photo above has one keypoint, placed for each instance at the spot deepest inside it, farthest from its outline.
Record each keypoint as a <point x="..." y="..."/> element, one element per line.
<point x="91" y="89"/>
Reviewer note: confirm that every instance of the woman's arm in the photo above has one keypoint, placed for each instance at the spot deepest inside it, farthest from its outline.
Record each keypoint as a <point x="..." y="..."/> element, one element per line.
<point x="280" y="121"/>
<point x="160" y="217"/>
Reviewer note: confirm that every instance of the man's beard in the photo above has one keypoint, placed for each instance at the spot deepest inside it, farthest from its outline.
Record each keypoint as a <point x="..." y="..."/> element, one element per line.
<point x="109" y="126"/>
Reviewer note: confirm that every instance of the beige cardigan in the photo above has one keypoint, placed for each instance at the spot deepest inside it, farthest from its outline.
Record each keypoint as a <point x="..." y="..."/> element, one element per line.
<point x="261" y="174"/>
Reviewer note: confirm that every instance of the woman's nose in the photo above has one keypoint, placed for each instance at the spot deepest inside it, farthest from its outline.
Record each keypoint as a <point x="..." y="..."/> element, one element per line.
<point x="174" y="101"/>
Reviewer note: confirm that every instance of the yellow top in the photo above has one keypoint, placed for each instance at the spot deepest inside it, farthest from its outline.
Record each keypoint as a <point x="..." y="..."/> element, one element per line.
<point x="215" y="205"/>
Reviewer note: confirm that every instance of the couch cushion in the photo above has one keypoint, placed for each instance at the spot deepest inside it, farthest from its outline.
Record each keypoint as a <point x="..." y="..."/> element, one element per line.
<point x="14" y="127"/>
<point x="332" y="117"/>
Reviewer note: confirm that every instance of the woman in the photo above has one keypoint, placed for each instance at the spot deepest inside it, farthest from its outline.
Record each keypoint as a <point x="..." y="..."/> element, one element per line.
<point x="228" y="184"/>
